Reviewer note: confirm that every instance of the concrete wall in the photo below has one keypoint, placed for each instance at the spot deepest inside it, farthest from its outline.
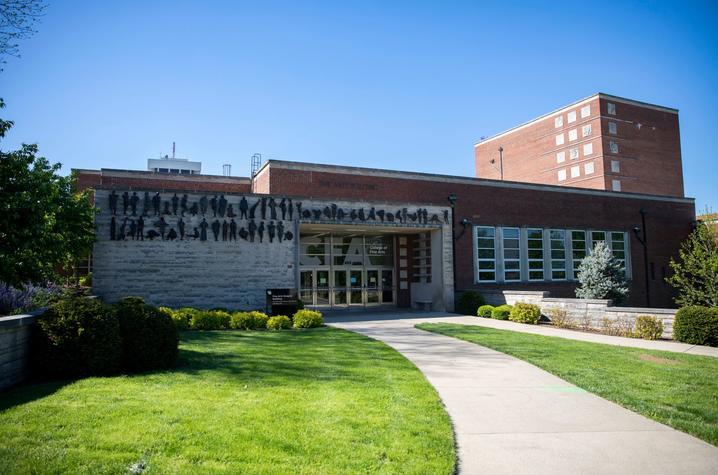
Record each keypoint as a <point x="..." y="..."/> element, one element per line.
<point x="591" y="311"/>
<point x="14" y="348"/>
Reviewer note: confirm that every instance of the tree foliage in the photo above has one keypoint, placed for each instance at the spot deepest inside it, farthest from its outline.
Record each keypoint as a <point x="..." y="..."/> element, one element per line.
<point x="600" y="276"/>
<point x="695" y="275"/>
<point x="44" y="224"/>
<point x="17" y="21"/>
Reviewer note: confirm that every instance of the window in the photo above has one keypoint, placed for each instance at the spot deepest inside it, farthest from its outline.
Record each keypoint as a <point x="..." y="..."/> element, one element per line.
<point x="572" y="135"/>
<point x="534" y="237"/>
<point x="613" y="146"/>
<point x="486" y="253"/>
<point x="615" y="166"/>
<point x="560" y="157"/>
<point x="611" y="107"/>
<point x="588" y="168"/>
<point x="558" y="254"/>
<point x="618" y="247"/>
<point x="558" y="122"/>
<point x="587" y="149"/>
<point x="571" y="117"/>
<point x="573" y="153"/>
<point x="612" y="128"/>
<point x="559" y="139"/>
<point x="586" y="130"/>
<point x="313" y="250"/>
<point x="597" y="236"/>
<point x="578" y="246"/>
<point x="562" y="175"/>
<point x="575" y="171"/>
<point x="512" y="254"/>
<point x="616" y="185"/>
<point x="585" y="111"/>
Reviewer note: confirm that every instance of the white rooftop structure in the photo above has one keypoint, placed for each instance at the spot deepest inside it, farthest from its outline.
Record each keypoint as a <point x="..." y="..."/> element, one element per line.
<point x="173" y="165"/>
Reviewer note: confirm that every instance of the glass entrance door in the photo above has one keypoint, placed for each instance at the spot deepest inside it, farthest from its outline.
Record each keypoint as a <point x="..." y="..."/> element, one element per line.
<point x="372" y="287"/>
<point x="356" y="287"/>
<point x="387" y="286"/>
<point x="339" y="289"/>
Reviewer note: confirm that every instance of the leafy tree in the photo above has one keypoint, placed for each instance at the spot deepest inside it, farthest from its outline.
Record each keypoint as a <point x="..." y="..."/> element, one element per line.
<point x="600" y="276"/>
<point x="17" y="22"/>
<point x="695" y="276"/>
<point x="45" y="225"/>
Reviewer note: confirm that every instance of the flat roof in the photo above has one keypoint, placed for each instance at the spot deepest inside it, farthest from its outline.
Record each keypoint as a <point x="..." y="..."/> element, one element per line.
<point x="115" y="172"/>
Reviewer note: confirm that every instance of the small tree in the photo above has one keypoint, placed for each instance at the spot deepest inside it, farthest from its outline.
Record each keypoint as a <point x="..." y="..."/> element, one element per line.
<point x="600" y="276"/>
<point x="695" y="275"/>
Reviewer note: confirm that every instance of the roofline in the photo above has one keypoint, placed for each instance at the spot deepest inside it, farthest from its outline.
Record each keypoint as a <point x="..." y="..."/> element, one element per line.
<point x="164" y="176"/>
<point x="577" y="103"/>
<point x="469" y="180"/>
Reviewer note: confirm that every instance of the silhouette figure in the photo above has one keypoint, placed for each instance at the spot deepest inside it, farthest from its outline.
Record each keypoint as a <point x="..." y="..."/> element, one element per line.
<point x="152" y="234"/>
<point x="133" y="229"/>
<point x="243" y="233"/>
<point x="283" y="207"/>
<point x="125" y="202"/>
<point x="371" y="215"/>
<point x="141" y="228"/>
<point x="232" y="230"/>
<point x="162" y="224"/>
<point x="213" y="205"/>
<point x="260" y="231"/>
<point x="121" y="237"/>
<point x="280" y="231"/>
<point x="175" y="204"/>
<point x="288" y="235"/>
<point x="272" y="209"/>
<point x="195" y="234"/>
<point x="271" y="229"/>
<point x="134" y="200"/>
<point x="156" y="203"/>
<point x="290" y="209"/>
<point x="264" y="208"/>
<point x="215" y="229"/>
<point x="203" y="205"/>
<point x="446" y="216"/>
<point x="172" y="235"/>
<point x="340" y="214"/>
<point x="183" y="204"/>
<point x="225" y="230"/>
<point x="203" y="226"/>
<point x="252" y="229"/>
<point x="243" y="207"/>
<point x="194" y="209"/>
<point x="146" y="203"/>
<point x="180" y="226"/>
<point x="230" y="211"/>
<point x="380" y="213"/>
<point x="222" y="206"/>
<point x="113" y="229"/>
<point x="253" y="209"/>
<point x="167" y="208"/>
<point x="113" y="202"/>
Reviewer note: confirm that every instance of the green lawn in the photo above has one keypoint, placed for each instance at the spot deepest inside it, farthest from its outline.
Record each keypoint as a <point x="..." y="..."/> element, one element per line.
<point x="316" y="401"/>
<point x="676" y="389"/>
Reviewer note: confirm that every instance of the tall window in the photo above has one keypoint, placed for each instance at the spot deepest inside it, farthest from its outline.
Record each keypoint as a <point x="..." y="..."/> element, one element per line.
<point x="618" y="247"/>
<point x="597" y="236"/>
<point x="578" y="244"/>
<point x="558" y="254"/>
<point x="512" y="255"/>
<point x="611" y="107"/>
<point x="585" y="111"/>
<point x="535" y="244"/>
<point x="558" y="121"/>
<point x="586" y="130"/>
<point x="486" y="253"/>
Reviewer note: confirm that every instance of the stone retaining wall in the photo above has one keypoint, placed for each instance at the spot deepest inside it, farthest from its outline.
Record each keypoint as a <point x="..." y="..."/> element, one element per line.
<point x="14" y="348"/>
<point x="591" y="311"/>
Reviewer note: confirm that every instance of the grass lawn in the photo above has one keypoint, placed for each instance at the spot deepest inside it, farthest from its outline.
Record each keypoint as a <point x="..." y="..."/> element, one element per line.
<point x="676" y="389"/>
<point x="315" y="401"/>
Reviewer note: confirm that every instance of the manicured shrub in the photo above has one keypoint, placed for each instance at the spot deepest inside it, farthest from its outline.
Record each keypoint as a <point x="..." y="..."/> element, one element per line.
<point x="696" y="325"/>
<point x="560" y="318"/>
<point x="485" y="311"/>
<point x="183" y="317"/>
<point x="525" y="313"/>
<point x="308" y="319"/>
<point x="253" y="320"/>
<point x="501" y="312"/>
<point x="648" y="327"/>
<point x="149" y="336"/>
<point x="279" y="322"/>
<point x="469" y="302"/>
<point x="210" y="320"/>
<point x="77" y="337"/>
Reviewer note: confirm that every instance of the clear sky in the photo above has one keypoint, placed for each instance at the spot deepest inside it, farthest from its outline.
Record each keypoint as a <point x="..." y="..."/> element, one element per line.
<point x="400" y="85"/>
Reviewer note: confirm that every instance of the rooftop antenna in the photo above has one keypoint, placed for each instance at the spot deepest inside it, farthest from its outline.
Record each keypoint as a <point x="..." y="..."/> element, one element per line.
<point x="173" y="150"/>
<point x="227" y="169"/>
<point x="256" y="163"/>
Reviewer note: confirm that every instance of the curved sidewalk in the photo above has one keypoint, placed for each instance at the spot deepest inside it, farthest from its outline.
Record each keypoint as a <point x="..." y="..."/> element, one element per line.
<point x="512" y="417"/>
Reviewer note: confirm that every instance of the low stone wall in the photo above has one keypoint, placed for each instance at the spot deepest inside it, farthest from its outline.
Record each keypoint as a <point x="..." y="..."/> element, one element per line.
<point x="590" y="312"/>
<point x="14" y="347"/>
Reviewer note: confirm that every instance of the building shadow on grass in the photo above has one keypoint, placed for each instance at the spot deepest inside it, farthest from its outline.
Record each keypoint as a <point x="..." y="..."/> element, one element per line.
<point x="29" y="391"/>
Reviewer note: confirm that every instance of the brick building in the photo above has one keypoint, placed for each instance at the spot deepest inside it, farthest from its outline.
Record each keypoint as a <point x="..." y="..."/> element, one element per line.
<point x="602" y="142"/>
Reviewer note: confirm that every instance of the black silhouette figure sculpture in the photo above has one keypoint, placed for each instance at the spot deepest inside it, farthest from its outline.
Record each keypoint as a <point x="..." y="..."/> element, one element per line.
<point x="180" y="226"/>
<point x="334" y="211"/>
<point x="194" y="209"/>
<point x="133" y="229"/>
<point x="125" y="202"/>
<point x="283" y="207"/>
<point x="243" y="233"/>
<point x="372" y="214"/>
<point x="340" y="214"/>
<point x="222" y="206"/>
<point x="232" y="230"/>
<point x="195" y="233"/>
<point x="446" y="216"/>
<point x="280" y="231"/>
<point x="299" y="210"/>
<point x="152" y="234"/>
<point x="215" y="229"/>
<point x="175" y="204"/>
<point x="172" y="235"/>
<point x="203" y="205"/>
<point x="271" y="230"/>
<point x="243" y="207"/>
<point x="253" y="209"/>
<point x="167" y="208"/>
<point x="146" y="204"/>
<point x="183" y="204"/>
<point x="141" y="228"/>
<point x="225" y="230"/>
<point x="327" y="212"/>
<point x="362" y="216"/>
<point x="113" y="202"/>
<point x="134" y="201"/>
<point x="252" y="229"/>
<point x="156" y="203"/>
<point x="264" y="208"/>
<point x="380" y="213"/>
<point x="113" y="229"/>
<point x="121" y="237"/>
<point x="213" y="205"/>
<point x="290" y="209"/>
<point x="162" y="224"/>
<point x="260" y="231"/>
<point x="272" y="208"/>
<point x="203" y="226"/>
<point x="230" y="211"/>
<point x="288" y="235"/>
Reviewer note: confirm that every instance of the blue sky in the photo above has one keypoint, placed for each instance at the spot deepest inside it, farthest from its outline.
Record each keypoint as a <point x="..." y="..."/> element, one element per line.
<point x="400" y="85"/>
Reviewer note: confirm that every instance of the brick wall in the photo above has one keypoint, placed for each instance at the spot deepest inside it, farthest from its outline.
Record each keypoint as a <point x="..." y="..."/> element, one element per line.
<point x="139" y="180"/>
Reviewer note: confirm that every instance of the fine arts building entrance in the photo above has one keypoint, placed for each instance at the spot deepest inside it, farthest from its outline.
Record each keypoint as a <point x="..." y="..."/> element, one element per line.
<point x="346" y="269"/>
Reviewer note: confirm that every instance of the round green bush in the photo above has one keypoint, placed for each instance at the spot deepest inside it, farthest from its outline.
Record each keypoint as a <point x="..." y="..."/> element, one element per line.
<point x="253" y="320"/>
<point x="501" y="312"/>
<point x="308" y="319"/>
<point x="149" y="336"/>
<point x="210" y="320"/>
<point x="76" y="337"/>
<point x="525" y="313"/>
<point x="648" y="327"/>
<point x="469" y="302"/>
<point x="696" y="325"/>
<point x="485" y="311"/>
<point x="183" y="317"/>
<point x="279" y="322"/>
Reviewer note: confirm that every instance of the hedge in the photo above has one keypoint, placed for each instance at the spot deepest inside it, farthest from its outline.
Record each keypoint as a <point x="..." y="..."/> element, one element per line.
<point x="696" y="325"/>
<point x="308" y="319"/>
<point x="501" y="312"/>
<point x="525" y="313"/>
<point x="469" y="302"/>
<point x="485" y="311"/>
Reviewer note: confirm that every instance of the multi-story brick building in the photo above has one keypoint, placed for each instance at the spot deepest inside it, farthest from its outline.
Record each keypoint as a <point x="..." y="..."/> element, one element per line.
<point x="602" y="142"/>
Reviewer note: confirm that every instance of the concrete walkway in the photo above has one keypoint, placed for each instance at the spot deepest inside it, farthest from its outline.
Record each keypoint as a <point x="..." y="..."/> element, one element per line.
<point x="512" y="417"/>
